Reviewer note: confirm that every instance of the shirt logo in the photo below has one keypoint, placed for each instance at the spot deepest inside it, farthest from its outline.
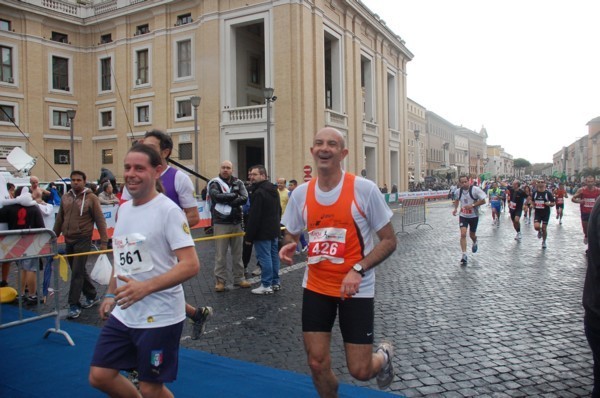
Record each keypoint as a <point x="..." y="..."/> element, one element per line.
<point x="186" y="228"/>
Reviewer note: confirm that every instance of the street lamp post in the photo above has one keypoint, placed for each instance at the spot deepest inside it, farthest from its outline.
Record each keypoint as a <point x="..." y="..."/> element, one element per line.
<point x="417" y="158"/>
<point x="269" y="98"/>
<point x="195" y="100"/>
<point x="71" y="115"/>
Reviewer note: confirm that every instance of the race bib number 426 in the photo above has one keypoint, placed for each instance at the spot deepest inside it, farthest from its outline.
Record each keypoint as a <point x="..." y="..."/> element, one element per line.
<point x="326" y="244"/>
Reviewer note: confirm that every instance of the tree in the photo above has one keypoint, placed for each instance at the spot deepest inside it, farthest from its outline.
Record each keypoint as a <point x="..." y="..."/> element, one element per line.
<point x="521" y="163"/>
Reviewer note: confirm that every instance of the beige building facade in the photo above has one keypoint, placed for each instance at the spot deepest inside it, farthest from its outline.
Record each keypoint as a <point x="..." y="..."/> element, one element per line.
<point x="126" y="67"/>
<point x="440" y="133"/>
<point x="416" y="129"/>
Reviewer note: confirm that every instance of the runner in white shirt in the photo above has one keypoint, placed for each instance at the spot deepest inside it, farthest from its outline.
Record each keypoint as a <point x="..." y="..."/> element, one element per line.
<point x="145" y="306"/>
<point x="470" y="198"/>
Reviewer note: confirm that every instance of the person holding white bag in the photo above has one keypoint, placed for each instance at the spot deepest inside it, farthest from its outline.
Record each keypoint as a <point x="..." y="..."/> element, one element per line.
<point x="144" y="306"/>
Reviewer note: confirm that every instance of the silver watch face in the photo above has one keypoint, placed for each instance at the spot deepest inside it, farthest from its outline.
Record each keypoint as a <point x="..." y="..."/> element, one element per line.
<point x="358" y="268"/>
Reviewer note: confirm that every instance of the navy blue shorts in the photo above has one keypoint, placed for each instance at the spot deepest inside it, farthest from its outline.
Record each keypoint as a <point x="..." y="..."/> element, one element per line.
<point x="356" y="316"/>
<point x="154" y="353"/>
<point x="471" y="223"/>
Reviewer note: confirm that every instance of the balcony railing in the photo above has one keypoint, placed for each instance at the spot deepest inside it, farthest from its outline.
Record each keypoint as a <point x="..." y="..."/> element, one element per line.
<point x="246" y="114"/>
<point x="105" y="6"/>
<point x="335" y="119"/>
<point x="83" y="8"/>
<point x="61" y="6"/>
<point x="370" y="128"/>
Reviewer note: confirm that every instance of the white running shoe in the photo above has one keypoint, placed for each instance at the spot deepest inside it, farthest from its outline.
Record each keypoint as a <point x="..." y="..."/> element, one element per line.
<point x="386" y="374"/>
<point x="262" y="290"/>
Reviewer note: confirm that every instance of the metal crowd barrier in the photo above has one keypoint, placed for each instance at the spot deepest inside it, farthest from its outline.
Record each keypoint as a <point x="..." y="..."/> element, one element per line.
<point x="23" y="244"/>
<point x="413" y="211"/>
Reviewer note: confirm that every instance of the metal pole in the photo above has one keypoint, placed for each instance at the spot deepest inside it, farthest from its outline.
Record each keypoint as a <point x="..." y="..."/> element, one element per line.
<point x="71" y="115"/>
<point x="417" y="159"/>
<point x="268" y="151"/>
<point x="196" y="146"/>
<point x="72" y="155"/>
<point x="195" y="101"/>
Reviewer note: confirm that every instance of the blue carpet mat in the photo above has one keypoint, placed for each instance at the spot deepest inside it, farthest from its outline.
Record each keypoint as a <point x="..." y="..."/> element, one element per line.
<point x="33" y="367"/>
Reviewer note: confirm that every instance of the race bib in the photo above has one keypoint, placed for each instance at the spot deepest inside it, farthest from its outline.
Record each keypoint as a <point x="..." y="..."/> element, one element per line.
<point x="512" y="205"/>
<point x="326" y="244"/>
<point x="560" y="201"/>
<point x="131" y="254"/>
<point x="466" y="211"/>
<point x="589" y="202"/>
<point x="540" y="204"/>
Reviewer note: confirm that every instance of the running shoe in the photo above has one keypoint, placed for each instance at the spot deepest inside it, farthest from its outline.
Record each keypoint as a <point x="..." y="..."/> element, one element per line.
<point x="276" y="287"/>
<point x="89" y="303"/>
<point x="475" y="247"/>
<point x="463" y="260"/>
<point x="386" y="374"/>
<point x="262" y="290"/>
<point x="74" y="312"/>
<point x="544" y="245"/>
<point x="199" y="320"/>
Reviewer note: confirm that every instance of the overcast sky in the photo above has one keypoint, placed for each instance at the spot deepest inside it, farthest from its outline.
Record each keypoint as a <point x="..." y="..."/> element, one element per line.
<point x="527" y="70"/>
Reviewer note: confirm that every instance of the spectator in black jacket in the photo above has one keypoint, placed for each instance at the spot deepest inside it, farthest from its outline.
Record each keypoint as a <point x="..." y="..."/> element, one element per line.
<point x="591" y="294"/>
<point x="263" y="228"/>
<point x="227" y="194"/>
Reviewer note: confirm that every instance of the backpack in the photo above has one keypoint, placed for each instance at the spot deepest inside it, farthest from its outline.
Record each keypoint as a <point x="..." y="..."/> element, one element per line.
<point x="470" y="193"/>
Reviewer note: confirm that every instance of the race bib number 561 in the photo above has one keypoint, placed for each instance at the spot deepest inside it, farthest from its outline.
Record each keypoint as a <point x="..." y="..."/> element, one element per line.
<point x="326" y="244"/>
<point x="131" y="254"/>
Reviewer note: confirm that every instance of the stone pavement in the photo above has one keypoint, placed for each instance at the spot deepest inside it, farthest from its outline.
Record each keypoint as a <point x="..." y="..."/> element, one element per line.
<point x="508" y="324"/>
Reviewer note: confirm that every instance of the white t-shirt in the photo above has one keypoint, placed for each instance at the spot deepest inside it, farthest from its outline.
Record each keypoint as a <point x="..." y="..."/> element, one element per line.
<point x="166" y="229"/>
<point x="370" y="200"/>
<point x="183" y="187"/>
<point x="47" y="210"/>
<point x="466" y="199"/>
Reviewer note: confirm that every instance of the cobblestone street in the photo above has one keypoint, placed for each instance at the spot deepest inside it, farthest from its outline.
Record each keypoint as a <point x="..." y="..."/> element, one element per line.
<point x="507" y="324"/>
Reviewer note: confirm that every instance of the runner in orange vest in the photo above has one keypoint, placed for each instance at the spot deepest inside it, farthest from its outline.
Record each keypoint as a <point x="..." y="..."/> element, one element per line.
<point x="341" y="212"/>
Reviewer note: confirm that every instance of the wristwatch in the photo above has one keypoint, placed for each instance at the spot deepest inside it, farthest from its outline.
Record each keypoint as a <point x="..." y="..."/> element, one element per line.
<point x="358" y="268"/>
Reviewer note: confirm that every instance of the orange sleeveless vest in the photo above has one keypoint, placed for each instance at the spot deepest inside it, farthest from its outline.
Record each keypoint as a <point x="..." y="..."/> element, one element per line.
<point x="335" y="241"/>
